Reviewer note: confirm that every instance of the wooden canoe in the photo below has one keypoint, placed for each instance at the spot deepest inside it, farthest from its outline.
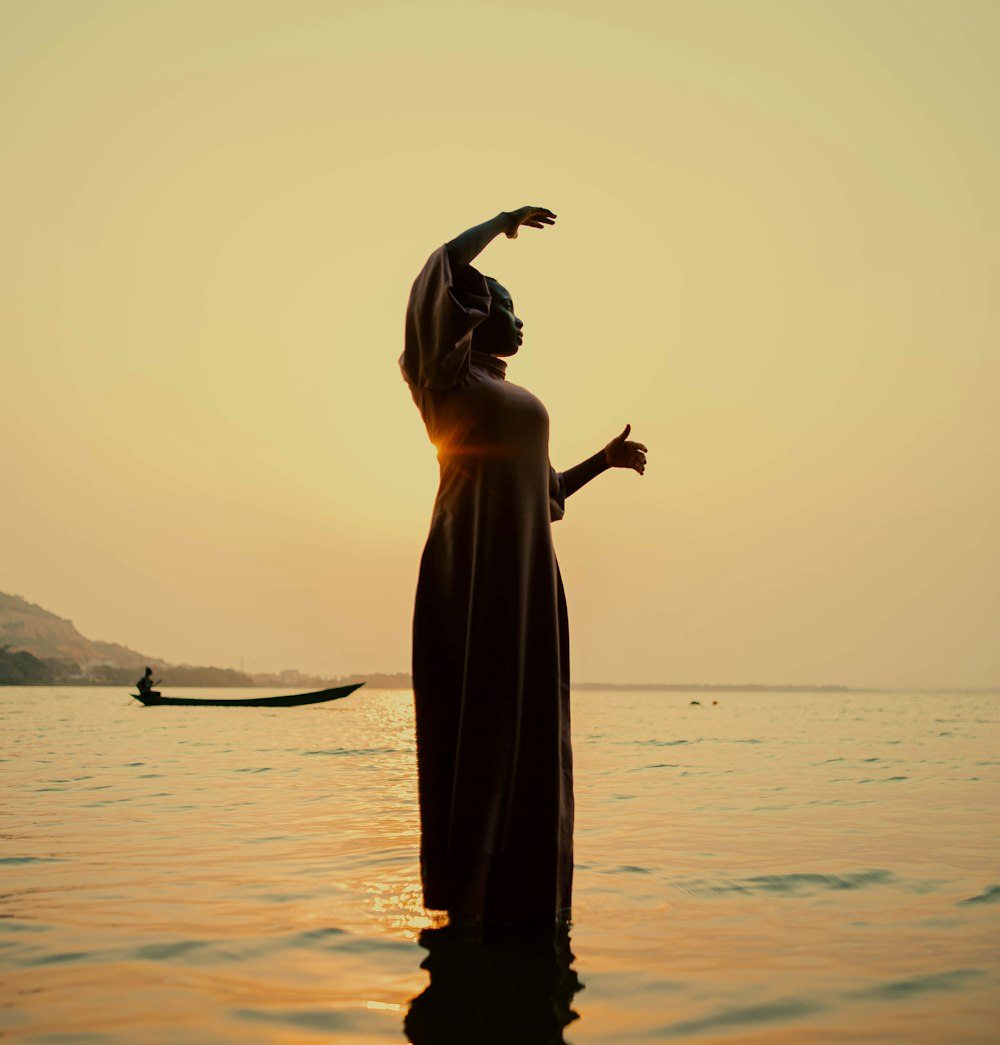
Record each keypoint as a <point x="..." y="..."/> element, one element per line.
<point x="290" y="701"/>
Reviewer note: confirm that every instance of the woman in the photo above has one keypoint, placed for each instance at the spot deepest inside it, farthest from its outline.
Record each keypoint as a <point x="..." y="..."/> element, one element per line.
<point x="490" y="634"/>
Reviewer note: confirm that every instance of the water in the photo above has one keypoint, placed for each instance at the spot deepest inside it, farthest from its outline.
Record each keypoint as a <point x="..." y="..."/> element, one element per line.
<point x="779" y="868"/>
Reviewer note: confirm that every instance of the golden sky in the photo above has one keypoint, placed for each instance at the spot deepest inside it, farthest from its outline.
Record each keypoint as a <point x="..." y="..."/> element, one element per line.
<point x="776" y="256"/>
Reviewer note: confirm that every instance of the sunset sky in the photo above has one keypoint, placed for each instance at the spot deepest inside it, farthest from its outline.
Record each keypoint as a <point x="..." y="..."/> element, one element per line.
<point x="776" y="255"/>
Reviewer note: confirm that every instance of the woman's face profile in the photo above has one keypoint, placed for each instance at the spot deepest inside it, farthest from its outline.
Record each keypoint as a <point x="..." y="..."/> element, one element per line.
<point x="500" y="334"/>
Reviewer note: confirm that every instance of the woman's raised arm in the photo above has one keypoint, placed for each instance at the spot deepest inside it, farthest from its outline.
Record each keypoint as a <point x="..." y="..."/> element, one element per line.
<point x="468" y="245"/>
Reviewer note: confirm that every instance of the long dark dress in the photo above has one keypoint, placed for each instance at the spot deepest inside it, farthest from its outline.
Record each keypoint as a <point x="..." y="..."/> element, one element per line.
<point x="490" y="632"/>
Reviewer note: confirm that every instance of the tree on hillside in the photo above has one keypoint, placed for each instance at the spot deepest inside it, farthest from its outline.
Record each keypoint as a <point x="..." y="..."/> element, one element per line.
<point x="22" y="669"/>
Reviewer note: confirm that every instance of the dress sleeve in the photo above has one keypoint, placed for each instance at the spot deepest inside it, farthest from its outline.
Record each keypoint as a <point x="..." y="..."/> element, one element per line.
<point x="443" y="310"/>
<point x="563" y="484"/>
<point x="557" y="495"/>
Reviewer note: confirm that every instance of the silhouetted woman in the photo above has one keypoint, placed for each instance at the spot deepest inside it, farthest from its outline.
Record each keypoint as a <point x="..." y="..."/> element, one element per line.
<point x="490" y="634"/>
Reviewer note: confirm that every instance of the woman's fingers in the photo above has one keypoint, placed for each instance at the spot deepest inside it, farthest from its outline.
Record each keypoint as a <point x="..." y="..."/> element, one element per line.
<point x="637" y="457"/>
<point x="622" y="457"/>
<point x="533" y="217"/>
<point x="621" y="452"/>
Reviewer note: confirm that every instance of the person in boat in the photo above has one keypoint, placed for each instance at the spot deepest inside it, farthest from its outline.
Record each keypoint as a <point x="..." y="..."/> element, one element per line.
<point x="145" y="684"/>
<point x="490" y="631"/>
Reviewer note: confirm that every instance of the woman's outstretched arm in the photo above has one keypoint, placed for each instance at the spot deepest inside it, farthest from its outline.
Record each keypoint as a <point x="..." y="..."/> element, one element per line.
<point x="468" y="245"/>
<point x="621" y="452"/>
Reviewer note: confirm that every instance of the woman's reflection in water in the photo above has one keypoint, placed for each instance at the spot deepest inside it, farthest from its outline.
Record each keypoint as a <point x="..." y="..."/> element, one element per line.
<point x="512" y="988"/>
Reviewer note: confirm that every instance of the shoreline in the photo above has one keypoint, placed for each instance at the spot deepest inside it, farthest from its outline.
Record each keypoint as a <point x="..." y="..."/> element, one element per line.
<point x="377" y="683"/>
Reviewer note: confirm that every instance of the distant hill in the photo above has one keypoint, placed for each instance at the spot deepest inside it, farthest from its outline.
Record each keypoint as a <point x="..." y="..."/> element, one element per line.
<point x="39" y="648"/>
<point x="25" y="626"/>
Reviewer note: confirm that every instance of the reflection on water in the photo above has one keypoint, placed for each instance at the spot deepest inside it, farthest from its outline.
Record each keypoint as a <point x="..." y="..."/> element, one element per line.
<point x="777" y="869"/>
<point x="513" y="988"/>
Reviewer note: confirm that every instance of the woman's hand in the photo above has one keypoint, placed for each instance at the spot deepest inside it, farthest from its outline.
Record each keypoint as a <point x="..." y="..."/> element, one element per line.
<point x="621" y="452"/>
<point x="533" y="217"/>
<point x="467" y="246"/>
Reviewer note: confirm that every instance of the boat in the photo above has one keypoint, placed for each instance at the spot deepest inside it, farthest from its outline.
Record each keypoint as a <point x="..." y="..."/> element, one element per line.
<point x="292" y="700"/>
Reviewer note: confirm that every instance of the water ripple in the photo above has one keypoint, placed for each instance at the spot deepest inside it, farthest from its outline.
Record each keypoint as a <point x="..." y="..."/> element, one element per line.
<point x="738" y="1016"/>
<point x="789" y="884"/>
<point x="989" y="895"/>
<point x="951" y="980"/>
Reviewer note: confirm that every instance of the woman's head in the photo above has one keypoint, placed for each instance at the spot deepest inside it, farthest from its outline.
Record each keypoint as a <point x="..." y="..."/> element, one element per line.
<point x="500" y="334"/>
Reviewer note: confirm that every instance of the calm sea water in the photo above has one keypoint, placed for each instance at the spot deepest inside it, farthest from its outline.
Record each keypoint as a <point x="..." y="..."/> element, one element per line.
<point x="790" y="868"/>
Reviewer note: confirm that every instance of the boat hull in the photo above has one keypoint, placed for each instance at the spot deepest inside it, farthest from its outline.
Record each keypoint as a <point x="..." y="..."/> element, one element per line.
<point x="290" y="701"/>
